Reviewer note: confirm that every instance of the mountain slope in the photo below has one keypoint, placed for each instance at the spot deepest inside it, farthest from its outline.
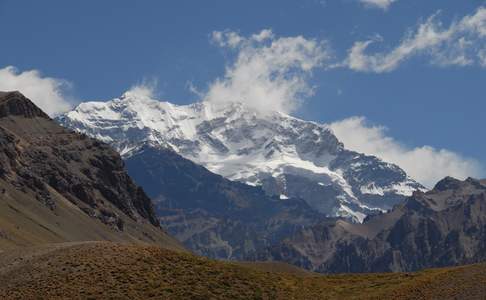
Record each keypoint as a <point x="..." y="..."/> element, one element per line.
<point x="114" y="271"/>
<point x="443" y="227"/>
<point x="287" y="156"/>
<point x="210" y="214"/>
<point x="57" y="185"/>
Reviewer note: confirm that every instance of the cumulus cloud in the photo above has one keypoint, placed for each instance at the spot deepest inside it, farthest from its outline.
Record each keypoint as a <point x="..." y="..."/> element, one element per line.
<point x="463" y="43"/>
<point x="268" y="72"/>
<point x="425" y="164"/>
<point x="383" y="4"/>
<point x="47" y="93"/>
<point x="145" y="89"/>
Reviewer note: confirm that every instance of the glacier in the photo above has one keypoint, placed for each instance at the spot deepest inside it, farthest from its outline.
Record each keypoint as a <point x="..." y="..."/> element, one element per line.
<point x="287" y="156"/>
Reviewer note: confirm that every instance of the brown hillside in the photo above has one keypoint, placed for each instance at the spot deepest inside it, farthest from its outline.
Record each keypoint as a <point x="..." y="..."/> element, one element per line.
<point x="101" y="270"/>
<point x="60" y="186"/>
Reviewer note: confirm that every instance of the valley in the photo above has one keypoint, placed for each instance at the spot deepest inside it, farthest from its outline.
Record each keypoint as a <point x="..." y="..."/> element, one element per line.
<point x="74" y="224"/>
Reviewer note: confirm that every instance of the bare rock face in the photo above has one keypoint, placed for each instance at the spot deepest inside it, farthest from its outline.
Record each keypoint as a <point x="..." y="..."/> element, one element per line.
<point x="40" y="157"/>
<point x="15" y="104"/>
<point x="211" y="215"/>
<point x="443" y="227"/>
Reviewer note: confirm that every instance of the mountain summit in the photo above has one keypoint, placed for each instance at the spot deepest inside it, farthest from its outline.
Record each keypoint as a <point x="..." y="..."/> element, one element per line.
<point x="16" y="104"/>
<point x="287" y="156"/>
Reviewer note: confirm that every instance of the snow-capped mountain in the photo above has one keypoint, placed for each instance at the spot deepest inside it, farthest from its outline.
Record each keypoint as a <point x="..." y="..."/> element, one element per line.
<point x="287" y="156"/>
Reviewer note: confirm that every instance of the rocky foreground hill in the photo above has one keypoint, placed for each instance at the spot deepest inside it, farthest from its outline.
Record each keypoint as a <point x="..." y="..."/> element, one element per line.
<point x="57" y="185"/>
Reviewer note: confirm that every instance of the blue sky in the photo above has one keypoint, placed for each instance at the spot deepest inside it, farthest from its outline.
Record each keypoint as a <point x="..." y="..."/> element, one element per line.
<point x="102" y="48"/>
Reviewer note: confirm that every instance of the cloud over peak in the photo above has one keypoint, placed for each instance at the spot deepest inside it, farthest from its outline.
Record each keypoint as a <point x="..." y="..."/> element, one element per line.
<point x="270" y="73"/>
<point x="267" y="72"/>
<point x="46" y="92"/>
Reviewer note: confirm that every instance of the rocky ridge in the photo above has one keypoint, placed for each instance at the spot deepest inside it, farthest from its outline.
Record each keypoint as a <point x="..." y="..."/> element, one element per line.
<point x="443" y="227"/>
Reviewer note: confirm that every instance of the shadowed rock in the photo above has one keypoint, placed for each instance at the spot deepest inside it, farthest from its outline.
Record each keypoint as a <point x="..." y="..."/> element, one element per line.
<point x="66" y="174"/>
<point x="443" y="227"/>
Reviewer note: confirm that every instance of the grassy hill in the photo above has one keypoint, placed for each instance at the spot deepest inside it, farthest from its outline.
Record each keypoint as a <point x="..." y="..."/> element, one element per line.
<point x="104" y="270"/>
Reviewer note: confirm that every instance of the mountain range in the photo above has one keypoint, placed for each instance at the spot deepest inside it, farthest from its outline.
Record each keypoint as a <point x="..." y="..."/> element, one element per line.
<point x="286" y="156"/>
<point x="443" y="227"/>
<point x="59" y="185"/>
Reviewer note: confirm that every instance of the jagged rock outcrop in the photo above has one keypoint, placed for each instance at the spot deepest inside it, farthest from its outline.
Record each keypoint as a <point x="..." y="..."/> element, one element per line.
<point x="443" y="227"/>
<point x="43" y="161"/>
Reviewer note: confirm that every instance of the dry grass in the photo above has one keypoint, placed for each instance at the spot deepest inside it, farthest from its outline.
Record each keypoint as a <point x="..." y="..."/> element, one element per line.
<point x="113" y="271"/>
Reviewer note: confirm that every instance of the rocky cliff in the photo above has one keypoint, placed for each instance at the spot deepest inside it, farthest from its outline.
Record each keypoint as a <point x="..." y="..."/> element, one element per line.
<point x="49" y="174"/>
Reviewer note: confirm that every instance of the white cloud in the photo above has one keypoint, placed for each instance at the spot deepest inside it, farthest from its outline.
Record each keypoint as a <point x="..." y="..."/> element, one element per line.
<point x="462" y="43"/>
<point x="482" y="58"/>
<point x="425" y="164"/>
<point x="268" y="73"/>
<point x="383" y="4"/>
<point x="143" y="90"/>
<point x="47" y="93"/>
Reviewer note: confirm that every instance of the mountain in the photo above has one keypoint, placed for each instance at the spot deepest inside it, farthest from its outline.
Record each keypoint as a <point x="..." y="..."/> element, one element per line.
<point x="211" y="215"/>
<point x="288" y="157"/>
<point x="104" y="270"/>
<point x="57" y="185"/>
<point x="443" y="227"/>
